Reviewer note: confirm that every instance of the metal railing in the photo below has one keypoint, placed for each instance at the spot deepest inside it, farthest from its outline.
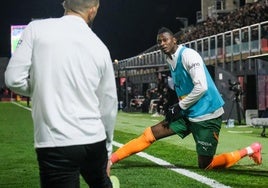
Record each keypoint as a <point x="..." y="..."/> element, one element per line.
<point x="230" y="46"/>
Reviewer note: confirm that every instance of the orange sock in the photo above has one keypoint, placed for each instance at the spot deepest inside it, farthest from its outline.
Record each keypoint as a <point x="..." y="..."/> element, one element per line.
<point x="225" y="160"/>
<point x="134" y="146"/>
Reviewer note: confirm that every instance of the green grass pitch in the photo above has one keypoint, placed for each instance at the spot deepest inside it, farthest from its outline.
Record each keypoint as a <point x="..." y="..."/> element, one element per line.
<point x="18" y="165"/>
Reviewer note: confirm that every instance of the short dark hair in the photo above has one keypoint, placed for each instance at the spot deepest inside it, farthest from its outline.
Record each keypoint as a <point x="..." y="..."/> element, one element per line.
<point x="79" y="5"/>
<point x="164" y="30"/>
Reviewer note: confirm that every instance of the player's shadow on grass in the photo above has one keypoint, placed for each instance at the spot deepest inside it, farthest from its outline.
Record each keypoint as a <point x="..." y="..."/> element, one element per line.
<point x="247" y="171"/>
<point x="144" y="164"/>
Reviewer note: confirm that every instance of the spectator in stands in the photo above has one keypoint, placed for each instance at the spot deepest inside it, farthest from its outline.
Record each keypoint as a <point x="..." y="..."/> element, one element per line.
<point x="5" y="93"/>
<point x="250" y="13"/>
<point x="198" y="111"/>
<point x="146" y="103"/>
<point x="159" y="106"/>
<point x="2" y="91"/>
<point x="74" y="100"/>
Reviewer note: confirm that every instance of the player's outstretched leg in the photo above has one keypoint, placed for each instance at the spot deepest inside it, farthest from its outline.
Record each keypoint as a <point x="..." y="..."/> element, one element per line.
<point x="134" y="146"/>
<point x="227" y="160"/>
<point x="149" y="136"/>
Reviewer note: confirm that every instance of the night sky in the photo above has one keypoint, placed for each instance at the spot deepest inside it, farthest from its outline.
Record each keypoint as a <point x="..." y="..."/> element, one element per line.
<point x="127" y="27"/>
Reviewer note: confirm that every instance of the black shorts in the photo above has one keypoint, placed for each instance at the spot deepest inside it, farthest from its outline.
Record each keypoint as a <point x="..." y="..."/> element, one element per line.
<point x="60" y="167"/>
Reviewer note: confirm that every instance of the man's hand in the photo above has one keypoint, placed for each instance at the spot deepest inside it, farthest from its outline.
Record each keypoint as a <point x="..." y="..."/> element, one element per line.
<point x="173" y="113"/>
<point x="108" y="168"/>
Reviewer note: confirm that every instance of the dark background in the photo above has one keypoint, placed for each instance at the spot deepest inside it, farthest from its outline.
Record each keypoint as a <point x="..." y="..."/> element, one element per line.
<point x="127" y="27"/>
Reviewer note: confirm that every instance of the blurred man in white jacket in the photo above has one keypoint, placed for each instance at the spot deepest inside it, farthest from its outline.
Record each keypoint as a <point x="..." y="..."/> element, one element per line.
<point x="67" y="71"/>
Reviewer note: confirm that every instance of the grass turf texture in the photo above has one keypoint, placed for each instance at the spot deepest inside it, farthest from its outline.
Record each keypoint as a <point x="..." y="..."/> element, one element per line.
<point x="18" y="165"/>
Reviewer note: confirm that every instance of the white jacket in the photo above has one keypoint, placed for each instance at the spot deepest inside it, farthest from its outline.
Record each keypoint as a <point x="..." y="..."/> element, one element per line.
<point x="68" y="72"/>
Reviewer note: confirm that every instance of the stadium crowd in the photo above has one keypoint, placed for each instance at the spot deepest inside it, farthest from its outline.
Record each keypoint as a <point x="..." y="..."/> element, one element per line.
<point x="248" y="14"/>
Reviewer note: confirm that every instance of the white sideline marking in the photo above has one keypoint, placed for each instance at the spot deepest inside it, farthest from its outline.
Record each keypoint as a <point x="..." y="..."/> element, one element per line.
<point x="27" y="108"/>
<point x="195" y="176"/>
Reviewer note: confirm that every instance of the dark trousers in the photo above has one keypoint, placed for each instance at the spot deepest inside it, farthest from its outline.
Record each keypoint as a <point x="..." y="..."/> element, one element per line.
<point x="60" y="167"/>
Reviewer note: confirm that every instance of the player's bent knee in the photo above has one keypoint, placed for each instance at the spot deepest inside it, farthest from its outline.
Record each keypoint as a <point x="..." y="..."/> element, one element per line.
<point x="148" y="134"/>
<point x="204" y="161"/>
